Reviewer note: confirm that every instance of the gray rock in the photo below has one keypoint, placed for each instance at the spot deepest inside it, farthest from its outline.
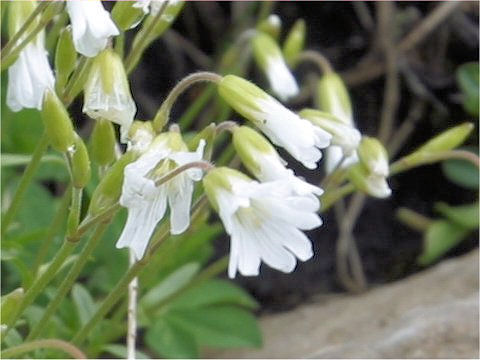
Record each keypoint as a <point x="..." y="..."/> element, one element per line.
<point x="433" y="314"/>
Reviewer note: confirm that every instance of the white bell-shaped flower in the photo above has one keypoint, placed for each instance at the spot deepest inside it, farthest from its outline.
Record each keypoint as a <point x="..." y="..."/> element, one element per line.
<point x="264" y="221"/>
<point x="91" y="26"/>
<point x="146" y="202"/>
<point x="298" y="136"/>
<point x="107" y="92"/>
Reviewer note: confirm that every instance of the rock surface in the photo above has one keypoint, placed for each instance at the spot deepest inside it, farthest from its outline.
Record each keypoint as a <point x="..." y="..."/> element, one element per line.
<point x="433" y="314"/>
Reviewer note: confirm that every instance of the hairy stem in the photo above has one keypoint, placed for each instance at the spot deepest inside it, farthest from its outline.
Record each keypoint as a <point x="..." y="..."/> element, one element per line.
<point x="66" y="347"/>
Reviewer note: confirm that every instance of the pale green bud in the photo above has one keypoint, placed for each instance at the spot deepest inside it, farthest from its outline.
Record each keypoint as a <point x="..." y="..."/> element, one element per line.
<point x="243" y="96"/>
<point x="373" y="156"/>
<point x="343" y="135"/>
<point x="220" y="179"/>
<point x="333" y="97"/>
<point x="108" y="191"/>
<point x="272" y="26"/>
<point x="425" y="154"/>
<point x="80" y="162"/>
<point x="369" y="183"/>
<point x="250" y="145"/>
<point x="141" y="135"/>
<point x="56" y="120"/>
<point x="103" y="143"/>
<point x="126" y="15"/>
<point x="10" y="304"/>
<point x="65" y="58"/>
<point x="295" y="42"/>
<point x="208" y="134"/>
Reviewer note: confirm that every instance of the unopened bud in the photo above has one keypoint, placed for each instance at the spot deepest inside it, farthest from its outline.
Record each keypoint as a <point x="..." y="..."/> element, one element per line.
<point x="103" y="142"/>
<point x="272" y="26"/>
<point x="126" y="15"/>
<point x="80" y="162"/>
<point x="56" y="120"/>
<point x="269" y="58"/>
<point x="373" y="156"/>
<point x="65" y="58"/>
<point x="333" y="97"/>
<point x="108" y="191"/>
<point x="141" y="135"/>
<point x="10" y="304"/>
<point x="369" y="183"/>
<point x="295" y="42"/>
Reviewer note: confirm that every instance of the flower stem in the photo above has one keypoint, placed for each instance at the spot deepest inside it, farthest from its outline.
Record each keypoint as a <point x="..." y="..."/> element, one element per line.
<point x="132" y="311"/>
<point x="52" y="229"/>
<point x="67" y="283"/>
<point x="330" y="197"/>
<point x="75" y="209"/>
<point x="15" y="38"/>
<point x="66" y="347"/>
<point x="25" y="181"/>
<point x="43" y="279"/>
<point x="317" y="58"/>
<point x="204" y="165"/>
<point x="75" y="79"/>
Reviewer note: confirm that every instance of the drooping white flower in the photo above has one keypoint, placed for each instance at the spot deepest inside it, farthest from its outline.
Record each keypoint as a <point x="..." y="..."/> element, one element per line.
<point x="91" y="26"/>
<point x="264" y="221"/>
<point x="263" y="161"/>
<point x="298" y="136"/>
<point x="30" y="75"/>
<point x="370" y="183"/>
<point x="270" y="58"/>
<point x="146" y="202"/>
<point x="107" y="92"/>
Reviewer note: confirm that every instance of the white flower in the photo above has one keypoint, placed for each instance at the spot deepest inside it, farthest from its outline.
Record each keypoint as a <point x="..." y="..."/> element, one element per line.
<point x="298" y="136"/>
<point x="147" y="203"/>
<point x="263" y="220"/>
<point x="107" y="92"/>
<point x="91" y="26"/>
<point x="269" y="57"/>
<point x="153" y="6"/>
<point x="29" y="77"/>
<point x="263" y="161"/>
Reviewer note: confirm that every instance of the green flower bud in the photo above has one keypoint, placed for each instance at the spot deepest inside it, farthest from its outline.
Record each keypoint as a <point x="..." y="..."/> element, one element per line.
<point x="272" y="26"/>
<point x="295" y="42"/>
<point x="10" y="304"/>
<point x="249" y="144"/>
<point x="369" y="183"/>
<point x="333" y="97"/>
<point x="103" y="143"/>
<point x="373" y="156"/>
<point x="208" y="134"/>
<point x="125" y="15"/>
<point x="65" y="58"/>
<point x="243" y="96"/>
<point x="80" y="164"/>
<point x="449" y="139"/>
<point x="220" y="179"/>
<point x="109" y="189"/>
<point x="56" y="120"/>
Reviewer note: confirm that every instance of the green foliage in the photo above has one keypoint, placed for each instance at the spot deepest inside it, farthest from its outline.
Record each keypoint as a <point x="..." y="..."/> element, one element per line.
<point x="468" y="79"/>
<point x="461" y="172"/>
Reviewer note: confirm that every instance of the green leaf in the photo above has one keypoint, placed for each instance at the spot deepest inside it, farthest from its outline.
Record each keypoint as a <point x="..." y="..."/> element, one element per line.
<point x="120" y="351"/>
<point x="20" y="160"/>
<point x="462" y="173"/>
<point x="468" y="81"/>
<point x="219" y="326"/>
<point x="170" y="340"/>
<point x="213" y="292"/>
<point x="83" y="302"/>
<point x="170" y="284"/>
<point x="464" y="215"/>
<point x="440" y="237"/>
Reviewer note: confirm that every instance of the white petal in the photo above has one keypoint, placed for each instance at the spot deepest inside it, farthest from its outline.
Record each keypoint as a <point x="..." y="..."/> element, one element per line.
<point x="248" y="257"/>
<point x="180" y="202"/>
<point x="294" y="240"/>
<point x="273" y="253"/>
<point x="281" y="79"/>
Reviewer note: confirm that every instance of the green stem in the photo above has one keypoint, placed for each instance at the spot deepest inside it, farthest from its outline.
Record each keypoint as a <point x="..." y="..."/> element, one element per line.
<point x="317" y="58"/>
<point x="66" y="347"/>
<point x="75" y="209"/>
<point x="73" y="85"/>
<point x="43" y="279"/>
<point x="15" y="38"/>
<point x="88" y="222"/>
<point x="54" y="31"/>
<point x="139" y="47"/>
<point x="330" y="197"/>
<point x="120" y="44"/>
<point x="52" y="230"/>
<point x="25" y="181"/>
<point x="67" y="283"/>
